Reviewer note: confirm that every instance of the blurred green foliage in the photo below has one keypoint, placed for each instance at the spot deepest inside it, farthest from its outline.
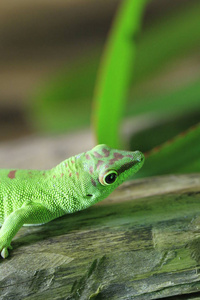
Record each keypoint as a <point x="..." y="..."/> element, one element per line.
<point x="114" y="77"/>
<point x="63" y="103"/>
<point x="130" y="61"/>
<point x="171" y="37"/>
<point x="181" y="155"/>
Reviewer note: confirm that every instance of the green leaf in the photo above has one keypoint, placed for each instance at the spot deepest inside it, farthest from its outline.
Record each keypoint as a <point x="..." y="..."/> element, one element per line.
<point x="181" y="155"/>
<point x="115" y="72"/>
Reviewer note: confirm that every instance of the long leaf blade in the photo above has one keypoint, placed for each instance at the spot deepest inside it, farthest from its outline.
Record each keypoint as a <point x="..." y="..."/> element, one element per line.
<point x="181" y="155"/>
<point x="115" y="72"/>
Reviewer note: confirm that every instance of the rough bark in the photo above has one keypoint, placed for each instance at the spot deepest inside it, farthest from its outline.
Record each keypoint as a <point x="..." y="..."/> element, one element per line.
<point x="140" y="243"/>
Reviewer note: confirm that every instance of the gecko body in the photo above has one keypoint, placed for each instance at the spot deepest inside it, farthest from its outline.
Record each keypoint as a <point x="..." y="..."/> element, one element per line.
<point x="29" y="197"/>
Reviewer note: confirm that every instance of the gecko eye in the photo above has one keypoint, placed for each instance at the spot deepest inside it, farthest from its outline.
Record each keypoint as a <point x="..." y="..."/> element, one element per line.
<point x="108" y="177"/>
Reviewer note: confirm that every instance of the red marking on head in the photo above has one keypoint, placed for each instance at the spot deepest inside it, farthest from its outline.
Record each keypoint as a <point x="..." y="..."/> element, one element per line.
<point x="11" y="174"/>
<point x="129" y="155"/>
<point x="72" y="161"/>
<point x="87" y="156"/>
<point x="43" y="173"/>
<point x="77" y="174"/>
<point x="62" y="174"/>
<point x="54" y="176"/>
<point x="93" y="182"/>
<point x="106" y="152"/>
<point x="99" y="163"/>
<point x="117" y="156"/>
<point x="91" y="170"/>
<point x="70" y="174"/>
<point x="96" y="154"/>
<point x="66" y="165"/>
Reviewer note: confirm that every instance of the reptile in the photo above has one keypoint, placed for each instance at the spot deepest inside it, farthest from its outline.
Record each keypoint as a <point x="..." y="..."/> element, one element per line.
<point x="34" y="197"/>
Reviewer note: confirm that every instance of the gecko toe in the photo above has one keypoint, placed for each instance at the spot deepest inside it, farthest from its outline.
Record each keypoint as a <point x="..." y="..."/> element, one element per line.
<point x="4" y="253"/>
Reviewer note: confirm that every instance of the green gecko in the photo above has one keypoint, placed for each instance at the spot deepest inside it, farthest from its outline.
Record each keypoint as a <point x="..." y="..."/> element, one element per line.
<point x="29" y="197"/>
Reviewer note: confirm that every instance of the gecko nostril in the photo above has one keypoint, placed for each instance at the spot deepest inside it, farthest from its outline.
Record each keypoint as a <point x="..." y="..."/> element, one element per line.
<point x="140" y="158"/>
<point x="89" y="195"/>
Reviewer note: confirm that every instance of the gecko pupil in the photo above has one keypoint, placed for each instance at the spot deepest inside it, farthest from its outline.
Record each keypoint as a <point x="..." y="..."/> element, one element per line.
<point x="110" y="178"/>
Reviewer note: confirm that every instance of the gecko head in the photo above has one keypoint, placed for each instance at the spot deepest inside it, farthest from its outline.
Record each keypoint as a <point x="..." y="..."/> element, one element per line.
<point x="106" y="168"/>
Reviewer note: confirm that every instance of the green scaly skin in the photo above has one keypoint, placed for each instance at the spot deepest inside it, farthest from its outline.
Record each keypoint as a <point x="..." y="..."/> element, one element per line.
<point x="36" y="197"/>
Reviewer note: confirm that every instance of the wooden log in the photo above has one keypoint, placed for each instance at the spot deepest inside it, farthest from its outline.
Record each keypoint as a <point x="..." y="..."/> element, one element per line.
<point x="140" y="243"/>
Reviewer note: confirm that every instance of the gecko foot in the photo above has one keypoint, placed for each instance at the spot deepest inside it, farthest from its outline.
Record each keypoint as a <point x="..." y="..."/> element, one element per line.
<point x="4" y="251"/>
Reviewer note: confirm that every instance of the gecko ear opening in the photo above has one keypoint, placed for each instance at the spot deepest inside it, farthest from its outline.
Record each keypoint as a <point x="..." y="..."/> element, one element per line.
<point x="108" y="177"/>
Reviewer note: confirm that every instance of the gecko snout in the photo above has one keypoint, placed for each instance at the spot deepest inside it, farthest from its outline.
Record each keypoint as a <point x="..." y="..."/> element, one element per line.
<point x="138" y="156"/>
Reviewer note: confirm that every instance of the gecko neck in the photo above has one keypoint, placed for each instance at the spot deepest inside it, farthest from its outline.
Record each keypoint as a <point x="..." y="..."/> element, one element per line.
<point x="62" y="181"/>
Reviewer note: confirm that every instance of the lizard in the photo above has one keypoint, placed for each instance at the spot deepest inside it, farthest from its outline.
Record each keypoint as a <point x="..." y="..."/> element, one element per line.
<point x="35" y="197"/>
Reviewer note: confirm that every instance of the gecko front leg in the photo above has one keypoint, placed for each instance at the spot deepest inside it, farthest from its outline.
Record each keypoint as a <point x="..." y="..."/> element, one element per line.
<point x="33" y="213"/>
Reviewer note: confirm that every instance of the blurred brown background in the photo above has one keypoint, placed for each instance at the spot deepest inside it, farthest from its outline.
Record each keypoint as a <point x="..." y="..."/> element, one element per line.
<point x="38" y="37"/>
